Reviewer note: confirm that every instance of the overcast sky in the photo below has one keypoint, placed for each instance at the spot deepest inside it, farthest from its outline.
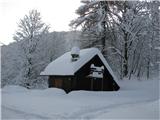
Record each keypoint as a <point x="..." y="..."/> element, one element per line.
<point x="57" y="13"/>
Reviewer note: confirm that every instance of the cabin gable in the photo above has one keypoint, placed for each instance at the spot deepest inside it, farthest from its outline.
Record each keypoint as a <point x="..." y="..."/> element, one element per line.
<point x="84" y="82"/>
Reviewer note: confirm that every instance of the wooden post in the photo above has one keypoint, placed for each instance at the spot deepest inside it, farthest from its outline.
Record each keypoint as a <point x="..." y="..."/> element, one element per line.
<point x="92" y="83"/>
<point x="102" y="84"/>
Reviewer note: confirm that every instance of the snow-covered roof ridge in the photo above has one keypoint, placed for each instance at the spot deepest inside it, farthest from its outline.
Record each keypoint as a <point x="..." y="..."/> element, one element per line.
<point x="64" y="66"/>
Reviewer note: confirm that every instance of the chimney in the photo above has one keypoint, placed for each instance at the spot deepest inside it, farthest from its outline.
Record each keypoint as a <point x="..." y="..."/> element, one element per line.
<point x="75" y="54"/>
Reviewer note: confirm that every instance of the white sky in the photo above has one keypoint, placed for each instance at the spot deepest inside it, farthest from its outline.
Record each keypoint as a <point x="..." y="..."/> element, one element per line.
<point x="57" y="13"/>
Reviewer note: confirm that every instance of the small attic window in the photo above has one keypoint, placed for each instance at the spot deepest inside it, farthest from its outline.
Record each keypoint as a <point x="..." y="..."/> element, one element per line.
<point x="75" y="53"/>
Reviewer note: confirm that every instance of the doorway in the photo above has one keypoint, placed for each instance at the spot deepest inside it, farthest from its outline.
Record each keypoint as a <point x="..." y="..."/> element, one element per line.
<point x="58" y="83"/>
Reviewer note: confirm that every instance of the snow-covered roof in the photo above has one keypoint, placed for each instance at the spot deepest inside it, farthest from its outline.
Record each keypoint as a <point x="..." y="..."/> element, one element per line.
<point x="65" y="66"/>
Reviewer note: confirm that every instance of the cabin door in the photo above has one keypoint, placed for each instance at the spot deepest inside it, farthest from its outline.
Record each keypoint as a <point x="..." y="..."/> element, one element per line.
<point x="58" y="83"/>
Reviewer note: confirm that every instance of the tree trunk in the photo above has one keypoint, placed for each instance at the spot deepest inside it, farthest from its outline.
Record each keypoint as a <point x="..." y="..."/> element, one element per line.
<point x="103" y="35"/>
<point x="103" y="38"/>
<point x="125" y="62"/>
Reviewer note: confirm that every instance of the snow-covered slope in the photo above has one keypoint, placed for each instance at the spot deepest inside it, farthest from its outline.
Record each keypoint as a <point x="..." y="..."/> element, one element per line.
<point x="136" y="99"/>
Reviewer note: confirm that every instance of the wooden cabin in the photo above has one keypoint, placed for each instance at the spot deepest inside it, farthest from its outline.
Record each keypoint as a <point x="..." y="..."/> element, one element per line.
<point x="80" y="70"/>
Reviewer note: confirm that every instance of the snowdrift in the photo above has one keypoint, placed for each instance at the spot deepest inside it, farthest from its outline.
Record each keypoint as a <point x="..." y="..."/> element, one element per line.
<point x="135" y="100"/>
<point x="14" y="89"/>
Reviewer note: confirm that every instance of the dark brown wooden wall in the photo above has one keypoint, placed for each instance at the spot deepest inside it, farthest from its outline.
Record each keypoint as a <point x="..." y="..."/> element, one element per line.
<point x="64" y="82"/>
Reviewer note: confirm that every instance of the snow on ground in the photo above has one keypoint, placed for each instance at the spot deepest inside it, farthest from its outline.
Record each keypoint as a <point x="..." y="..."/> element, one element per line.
<point x="134" y="111"/>
<point x="135" y="100"/>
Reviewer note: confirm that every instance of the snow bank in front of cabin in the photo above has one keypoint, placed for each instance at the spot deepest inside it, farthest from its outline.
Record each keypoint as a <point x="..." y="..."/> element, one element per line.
<point x="48" y="92"/>
<point x="34" y="92"/>
<point x="135" y="99"/>
<point x="13" y="88"/>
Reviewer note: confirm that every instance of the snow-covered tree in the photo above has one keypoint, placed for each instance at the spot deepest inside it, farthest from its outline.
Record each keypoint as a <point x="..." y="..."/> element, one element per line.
<point x="153" y="36"/>
<point x="49" y="47"/>
<point x="131" y="25"/>
<point x="121" y="27"/>
<point x="10" y="65"/>
<point x="94" y="20"/>
<point x="30" y="30"/>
